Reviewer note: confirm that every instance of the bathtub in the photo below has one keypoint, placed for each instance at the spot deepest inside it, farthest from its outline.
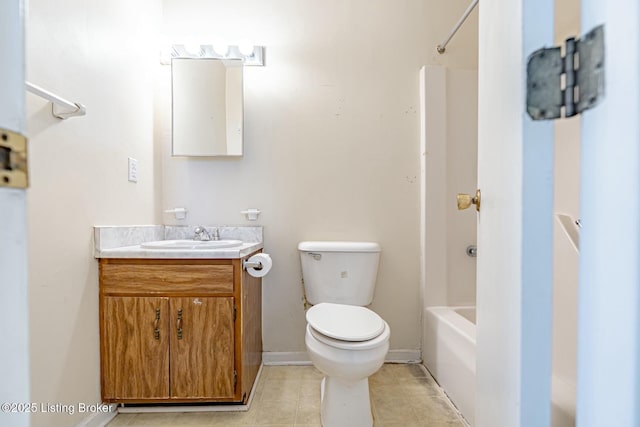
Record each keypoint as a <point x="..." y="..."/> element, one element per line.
<point x="449" y="353"/>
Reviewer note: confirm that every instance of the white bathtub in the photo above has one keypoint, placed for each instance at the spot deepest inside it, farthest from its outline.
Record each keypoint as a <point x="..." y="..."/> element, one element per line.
<point x="449" y="353"/>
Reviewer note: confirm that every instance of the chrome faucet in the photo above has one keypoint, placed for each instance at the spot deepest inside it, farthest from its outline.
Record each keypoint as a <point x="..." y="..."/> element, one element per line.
<point x="201" y="234"/>
<point x="216" y="234"/>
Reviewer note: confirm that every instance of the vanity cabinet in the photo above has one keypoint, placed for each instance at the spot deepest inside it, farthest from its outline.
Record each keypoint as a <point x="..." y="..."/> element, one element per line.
<point x="177" y="330"/>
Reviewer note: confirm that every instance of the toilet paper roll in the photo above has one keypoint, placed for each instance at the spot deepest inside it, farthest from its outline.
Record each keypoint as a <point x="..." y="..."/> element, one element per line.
<point x="264" y="260"/>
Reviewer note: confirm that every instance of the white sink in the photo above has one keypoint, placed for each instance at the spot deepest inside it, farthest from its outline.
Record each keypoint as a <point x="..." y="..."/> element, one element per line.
<point x="191" y="244"/>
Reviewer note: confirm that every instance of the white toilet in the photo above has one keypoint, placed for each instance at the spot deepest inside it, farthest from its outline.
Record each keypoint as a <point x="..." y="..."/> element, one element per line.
<point x="345" y="340"/>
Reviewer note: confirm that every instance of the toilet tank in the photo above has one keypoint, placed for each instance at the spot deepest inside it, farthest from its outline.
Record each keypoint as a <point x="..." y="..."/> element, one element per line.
<point x="339" y="272"/>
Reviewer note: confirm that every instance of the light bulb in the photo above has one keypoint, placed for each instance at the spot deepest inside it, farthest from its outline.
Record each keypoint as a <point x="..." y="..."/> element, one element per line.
<point x="246" y="48"/>
<point x="193" y="48"/>
<point x="221" y="48"/>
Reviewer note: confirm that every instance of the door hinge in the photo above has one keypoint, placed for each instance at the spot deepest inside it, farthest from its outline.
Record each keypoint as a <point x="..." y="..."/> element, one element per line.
<point x="583" y="70"/>
<point x="235" y="379"/>
<point x="13" y="160"/>
<point x="235" y="312"/>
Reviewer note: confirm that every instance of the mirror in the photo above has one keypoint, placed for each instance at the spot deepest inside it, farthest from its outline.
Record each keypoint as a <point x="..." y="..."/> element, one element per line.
<point x="207" y="107"/>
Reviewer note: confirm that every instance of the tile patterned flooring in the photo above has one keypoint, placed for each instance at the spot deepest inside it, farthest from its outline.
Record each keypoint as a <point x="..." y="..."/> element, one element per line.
<point x="289" y="396"/>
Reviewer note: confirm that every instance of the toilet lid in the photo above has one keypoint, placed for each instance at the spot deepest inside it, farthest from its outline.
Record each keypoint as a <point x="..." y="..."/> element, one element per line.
<point x="345" y="322"/>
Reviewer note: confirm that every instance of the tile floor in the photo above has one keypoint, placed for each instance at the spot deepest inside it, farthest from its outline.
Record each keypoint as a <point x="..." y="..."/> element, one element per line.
<point x="289" y="396"/>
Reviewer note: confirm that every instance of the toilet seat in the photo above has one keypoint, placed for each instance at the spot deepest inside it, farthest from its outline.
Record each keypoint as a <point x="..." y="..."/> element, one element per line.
<point x="378" y="341"/>
<point x="345" y="322"/>
<point x="347" y="327"/>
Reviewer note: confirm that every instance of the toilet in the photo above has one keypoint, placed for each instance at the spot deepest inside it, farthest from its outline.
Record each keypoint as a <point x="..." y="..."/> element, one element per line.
<point x="345" y="340"/>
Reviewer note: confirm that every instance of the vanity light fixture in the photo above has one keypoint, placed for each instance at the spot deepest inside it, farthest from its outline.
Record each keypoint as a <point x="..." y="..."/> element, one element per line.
<point x="250" y="55"/>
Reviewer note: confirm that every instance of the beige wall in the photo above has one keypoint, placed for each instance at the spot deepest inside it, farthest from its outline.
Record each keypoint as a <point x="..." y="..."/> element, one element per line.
<point x="462" y="177"/>
<point x="100" y="54"/>
<point x="450" y="167"/>
<point x="332" y="140"/>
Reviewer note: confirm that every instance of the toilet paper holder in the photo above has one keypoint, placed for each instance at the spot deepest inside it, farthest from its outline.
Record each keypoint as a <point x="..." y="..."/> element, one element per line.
<point x="258" y="265"/>
<point x="251" y="264"/>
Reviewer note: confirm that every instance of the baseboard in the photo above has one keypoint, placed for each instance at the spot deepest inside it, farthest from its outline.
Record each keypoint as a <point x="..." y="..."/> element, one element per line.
<point x="404" y="356"/>
<point x="273" y="358"/>
<point x="99" y="419"/>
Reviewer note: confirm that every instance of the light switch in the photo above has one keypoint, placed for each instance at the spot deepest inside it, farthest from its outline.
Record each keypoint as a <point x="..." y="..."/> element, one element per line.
<point x="133" y="170"/>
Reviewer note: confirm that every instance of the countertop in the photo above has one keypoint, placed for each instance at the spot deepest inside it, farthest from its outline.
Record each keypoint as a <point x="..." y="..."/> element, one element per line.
<point x="125" y="241"/>
<point x="137" y="251"/>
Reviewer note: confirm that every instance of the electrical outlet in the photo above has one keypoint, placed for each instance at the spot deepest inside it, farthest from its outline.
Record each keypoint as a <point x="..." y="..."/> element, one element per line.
<point x="133" y="170"/>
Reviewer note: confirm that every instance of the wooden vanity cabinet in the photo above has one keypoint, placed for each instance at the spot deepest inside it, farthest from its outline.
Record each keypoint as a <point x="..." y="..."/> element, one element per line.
<point x="176" y="330"/>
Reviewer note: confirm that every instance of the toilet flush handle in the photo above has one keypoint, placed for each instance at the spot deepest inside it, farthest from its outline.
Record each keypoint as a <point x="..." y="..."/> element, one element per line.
<point x="315" y="256"/>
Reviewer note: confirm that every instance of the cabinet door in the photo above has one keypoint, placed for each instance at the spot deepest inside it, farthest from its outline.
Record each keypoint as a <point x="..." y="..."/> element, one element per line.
<point x="202" y="347"/>
<point x="135" y="339"/>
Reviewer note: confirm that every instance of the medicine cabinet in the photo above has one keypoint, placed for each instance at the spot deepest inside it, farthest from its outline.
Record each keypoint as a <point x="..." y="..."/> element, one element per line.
<point x="207" y="107"/>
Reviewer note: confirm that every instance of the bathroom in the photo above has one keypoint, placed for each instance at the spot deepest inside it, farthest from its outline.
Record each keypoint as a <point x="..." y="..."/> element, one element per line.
<point x="335" y="92"/>
<point x="332" y="152"/>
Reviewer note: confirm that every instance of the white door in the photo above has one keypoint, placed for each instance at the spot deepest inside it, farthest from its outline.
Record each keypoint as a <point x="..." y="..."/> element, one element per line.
<point x="14" y="315"/>
<point x="515" y="175"/>
<point x="609" y="291"/>
<point x="514" y="234"/>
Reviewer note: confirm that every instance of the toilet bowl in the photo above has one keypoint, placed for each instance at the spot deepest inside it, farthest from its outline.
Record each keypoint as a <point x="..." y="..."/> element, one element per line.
<point x="348" y="344"/>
